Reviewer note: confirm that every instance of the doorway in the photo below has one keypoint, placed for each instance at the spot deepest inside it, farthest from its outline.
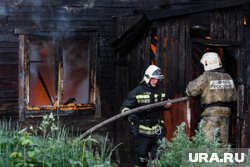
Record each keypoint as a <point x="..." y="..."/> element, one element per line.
<point x="230" y="59"/>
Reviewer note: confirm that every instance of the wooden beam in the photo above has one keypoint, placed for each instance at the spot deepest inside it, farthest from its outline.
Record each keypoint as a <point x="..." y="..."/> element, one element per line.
<point x="21" y="101"/>
<point x="129" y="38"/>
<point x="216" y="42"/>
<point x="152" y="16"/>
<point x="85" y="32"/>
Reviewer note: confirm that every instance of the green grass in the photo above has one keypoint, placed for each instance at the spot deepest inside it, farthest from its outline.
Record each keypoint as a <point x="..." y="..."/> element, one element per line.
<point x="49" y="145"/>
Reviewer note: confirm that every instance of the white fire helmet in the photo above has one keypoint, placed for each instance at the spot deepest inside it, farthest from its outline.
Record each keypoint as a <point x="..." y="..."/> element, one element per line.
<point x="211" y="61"/>
<point x="152" y="72"/>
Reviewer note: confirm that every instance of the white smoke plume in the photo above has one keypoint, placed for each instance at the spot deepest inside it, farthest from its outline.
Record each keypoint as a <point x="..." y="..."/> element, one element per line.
<point x="78" y="7"/>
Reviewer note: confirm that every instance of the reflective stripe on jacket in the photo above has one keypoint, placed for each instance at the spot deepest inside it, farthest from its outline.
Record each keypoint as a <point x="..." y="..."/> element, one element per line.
<point x="154" y="130"/>
<point x="143" y="95"/>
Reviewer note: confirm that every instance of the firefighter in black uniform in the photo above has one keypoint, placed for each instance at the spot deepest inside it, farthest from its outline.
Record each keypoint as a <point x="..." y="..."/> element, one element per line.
<point x="147" y="127"/>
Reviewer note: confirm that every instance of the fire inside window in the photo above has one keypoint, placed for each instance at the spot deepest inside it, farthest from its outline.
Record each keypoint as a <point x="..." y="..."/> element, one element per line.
<point x="58" y="74"/>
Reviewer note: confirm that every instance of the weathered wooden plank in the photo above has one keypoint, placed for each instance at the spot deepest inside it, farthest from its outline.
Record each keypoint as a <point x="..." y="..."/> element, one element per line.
<point x="9" y="94"/>
<point x="226" y="25"/>
<point x="10" y="107"/>
<point x="66" y="21"/>
<point x="239" y="24"/>
<point x="106" y="52"/>
<point x="65" y="26"/>
<point x="9" y="77"/>
<point x="6" y="100"/>
<point x="194" y="9"/>
<point x="182" y="55"/>
<point x="160" y="47"/>
<point x="218" y="42"/>
<point x="246" y="135"/>
<point x="35" y="3"/>
<point x="128" y="39"/>
<point x="38" y="17"/>
<point x="140" y="60"/>
<point x="3" y="20"/>
<point x="125" y="23"/>
<point x="8" y="61"/>
<point x="76" y="31"/>
<point x="8" y="69"/>
<point x="175" y="60"/>
<point x="106" y="41"/>
<point x="107" y="74"/>
<point x="145" y="56"/>
<point x="188" y="46"/>
<point x="5" y="29"/>
<point x="8" y="56"/>
<point x="147" y="49"/>
<point x="233" y="26"/>
<point x="9" y="45"/>
<point x="67" y="10"/>
<point x="8" y="38"/>
<point x="167" y="58"/>
<point x="85" y="4"/>
<point x="118" y="4"/>
<point x="220" y="26"/>
<point x="134" y="67"/>
<point x="8" y="84"/>
<point x="8" y="50"/>
<point x="21" y="85"/>
<point x="213" y="25"/>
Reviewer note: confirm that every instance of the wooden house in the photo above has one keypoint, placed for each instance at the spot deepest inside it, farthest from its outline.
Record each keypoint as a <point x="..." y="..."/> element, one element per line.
<point x="79" y="59"/>
<point x="175" y="39"/>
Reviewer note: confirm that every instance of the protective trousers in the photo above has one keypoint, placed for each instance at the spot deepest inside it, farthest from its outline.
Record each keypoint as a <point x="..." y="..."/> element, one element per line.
<point x="213" y="123"/>
<point x="216" y="118"/>
<point x="146" y="147"/>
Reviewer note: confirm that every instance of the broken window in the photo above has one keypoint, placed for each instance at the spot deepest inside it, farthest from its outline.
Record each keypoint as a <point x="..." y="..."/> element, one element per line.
<point x="57" y="74"/>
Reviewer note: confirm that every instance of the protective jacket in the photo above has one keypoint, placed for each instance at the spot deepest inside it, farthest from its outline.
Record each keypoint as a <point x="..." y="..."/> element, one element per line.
<point x="216" y="88"/>
<point x="143" y="94"/>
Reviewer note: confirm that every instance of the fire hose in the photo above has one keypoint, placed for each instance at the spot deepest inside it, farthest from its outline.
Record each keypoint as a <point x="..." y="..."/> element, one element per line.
<point x="132" y="111"/>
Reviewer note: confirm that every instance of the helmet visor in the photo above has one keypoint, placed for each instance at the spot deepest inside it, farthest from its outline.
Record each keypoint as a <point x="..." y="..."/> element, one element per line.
<point x="157" y="74"/>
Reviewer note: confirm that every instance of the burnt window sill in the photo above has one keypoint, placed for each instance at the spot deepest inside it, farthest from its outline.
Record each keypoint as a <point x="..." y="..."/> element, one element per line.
<point x="63" y="110"/>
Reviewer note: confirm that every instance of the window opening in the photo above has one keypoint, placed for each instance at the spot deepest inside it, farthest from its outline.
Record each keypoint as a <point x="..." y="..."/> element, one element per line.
<point x="58" y="74"/>
<point x="76" y="71"/>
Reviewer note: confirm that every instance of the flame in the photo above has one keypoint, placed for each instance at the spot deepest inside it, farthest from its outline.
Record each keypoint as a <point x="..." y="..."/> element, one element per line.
<point x="207" y="37"/>
<point x="62" y="107"/>
<point x="245" y="21"/>
<point x="43" y="81"/>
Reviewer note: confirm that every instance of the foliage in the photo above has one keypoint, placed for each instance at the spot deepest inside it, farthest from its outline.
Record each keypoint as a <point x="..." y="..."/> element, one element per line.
<point x="49" y="145"/>
<point x="170" y="154"/>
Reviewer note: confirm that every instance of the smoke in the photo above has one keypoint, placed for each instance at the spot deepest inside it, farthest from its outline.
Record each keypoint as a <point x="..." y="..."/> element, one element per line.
<point x="78" y="7"/>
<point x="25" y="2"/>
<point x="42" y="60"/>
<point x="41" y="55"/>
<point x="129" y="0"/>
<point x="3" y="10"/>
<point x="76" y="71"/>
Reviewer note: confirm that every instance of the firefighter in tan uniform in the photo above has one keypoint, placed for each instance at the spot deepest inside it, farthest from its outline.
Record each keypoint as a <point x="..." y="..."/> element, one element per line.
<point x="147" y="127"/>
<point x="217" y="90"/>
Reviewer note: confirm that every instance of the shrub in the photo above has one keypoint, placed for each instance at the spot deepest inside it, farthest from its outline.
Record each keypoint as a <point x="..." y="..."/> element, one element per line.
<point x="170" y="154"/>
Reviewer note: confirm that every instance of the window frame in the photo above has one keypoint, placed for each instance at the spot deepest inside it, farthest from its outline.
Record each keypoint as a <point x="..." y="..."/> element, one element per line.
<point x="24" y="88"/>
